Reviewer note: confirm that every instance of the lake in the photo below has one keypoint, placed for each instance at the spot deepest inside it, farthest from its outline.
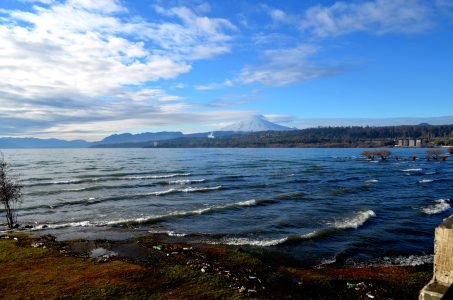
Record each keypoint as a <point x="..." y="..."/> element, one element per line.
<point x="317" y="206"/>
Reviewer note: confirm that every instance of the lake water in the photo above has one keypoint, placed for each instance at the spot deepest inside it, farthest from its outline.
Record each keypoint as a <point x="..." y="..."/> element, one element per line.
<point x="315" y="205"/>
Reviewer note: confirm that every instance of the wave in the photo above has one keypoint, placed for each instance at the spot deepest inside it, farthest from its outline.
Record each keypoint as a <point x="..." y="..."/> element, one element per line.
<point x="202" y="189"/>
<point x="92" y="200"/>
<point x="412" y="170"/>
<point x="412" y="260"/>
<point x="63" y="225"/>
<point x="349" y="223"/>
<point x="356" y="221"/>
<point x="89" y="201"/>
<point x="251" y="242"/>
<point x="105" y="178"/>
<point x="372" y="181"/>
<point x="186" y="190"/>
<point x="148" y="219"/>
<point x="182" y="181"/>
<point x="441" y="205"/>
<point x="425" y="181"/>
<point x="160" y="193"/>
<point x="154" y="176"/>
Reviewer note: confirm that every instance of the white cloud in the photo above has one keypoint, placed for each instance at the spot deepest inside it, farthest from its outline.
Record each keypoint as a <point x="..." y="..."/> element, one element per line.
<point x="278" y="15"/>
<point x="283" y="67"/>
<point x="106" y="6"/>
<point x="38" y="1"/>
<point x="280" y="67"/>
<point x="197" y="37"/>
<point x="78" y="64"/>
<point x="378" y="17"/>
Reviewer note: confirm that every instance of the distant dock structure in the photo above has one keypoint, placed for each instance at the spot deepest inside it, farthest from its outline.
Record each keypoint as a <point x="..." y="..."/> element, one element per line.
<point x="409" y="143"/>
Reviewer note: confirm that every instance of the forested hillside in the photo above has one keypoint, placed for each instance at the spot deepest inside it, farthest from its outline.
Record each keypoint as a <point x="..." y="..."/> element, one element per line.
<point x="323" y="137"/>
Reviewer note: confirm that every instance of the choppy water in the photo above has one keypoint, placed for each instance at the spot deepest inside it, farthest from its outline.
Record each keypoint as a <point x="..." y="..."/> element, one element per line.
<point x="317" y="205"/>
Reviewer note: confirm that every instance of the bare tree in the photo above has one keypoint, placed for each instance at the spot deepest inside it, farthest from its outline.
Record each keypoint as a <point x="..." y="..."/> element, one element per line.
<point x="10" y="193"/>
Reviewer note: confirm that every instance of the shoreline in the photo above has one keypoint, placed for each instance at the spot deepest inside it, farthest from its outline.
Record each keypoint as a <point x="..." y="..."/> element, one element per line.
<point x="204" y="270"/>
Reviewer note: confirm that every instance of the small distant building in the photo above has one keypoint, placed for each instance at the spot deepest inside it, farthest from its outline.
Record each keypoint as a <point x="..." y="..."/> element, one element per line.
<point x="156" y="144"/>
<point x="409" y="142"/>
<point x="211" y="136"/>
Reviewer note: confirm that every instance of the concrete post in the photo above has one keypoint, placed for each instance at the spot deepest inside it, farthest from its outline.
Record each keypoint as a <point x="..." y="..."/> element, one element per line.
<point x="443" y="262"/>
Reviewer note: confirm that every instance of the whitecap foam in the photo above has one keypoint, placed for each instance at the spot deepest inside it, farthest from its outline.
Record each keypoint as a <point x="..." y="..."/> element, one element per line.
<point x="186" y="181"/>
<point x="156" y="176"/>
<point x="356" y="221"/>
<point x="186" y="190"/>
<point x="63" y="225"/>
<point x="412" y="260"/>
<point x="413" y="170"/>
<point x="309" y="235"/>
<point x="160" y="193"/>
<point x="425" y="181"/>
<point x="252" y="242"/>
<point x="64" y="182"/>
<point x="172" y="233"/>
<point x="150" y="218"/>
<point x="184" y="213"/>
<point x="440" y="205"/>
<point x="372" y="181"/>
<point x="247" y="203"/>
<point x="327" y="261"/>
<point x="201" y="189"/>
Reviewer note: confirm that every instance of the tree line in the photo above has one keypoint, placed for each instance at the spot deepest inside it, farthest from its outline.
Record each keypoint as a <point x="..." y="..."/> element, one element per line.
<point x="355" y="136"/>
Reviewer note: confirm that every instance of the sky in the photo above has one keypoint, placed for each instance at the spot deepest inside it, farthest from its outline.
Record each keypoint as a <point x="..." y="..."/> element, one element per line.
<point x="85" y="69"/>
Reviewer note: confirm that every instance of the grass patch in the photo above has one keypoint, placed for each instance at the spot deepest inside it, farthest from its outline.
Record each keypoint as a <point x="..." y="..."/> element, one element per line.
<point x="40" y="273"/>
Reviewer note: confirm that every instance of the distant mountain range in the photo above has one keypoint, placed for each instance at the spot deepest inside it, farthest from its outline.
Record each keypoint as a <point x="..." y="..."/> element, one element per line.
<point x="252" y="124"/>
<point x="138" y="138"/>
<point x="9" y="142"/>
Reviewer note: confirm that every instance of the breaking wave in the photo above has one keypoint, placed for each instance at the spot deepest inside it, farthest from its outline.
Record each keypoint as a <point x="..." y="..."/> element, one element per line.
<point x="182" y="181"/>
<point x="425" y="181"/>
<point x="112" y="177"/>
<point x="349" y="223"/>
<point x="440" y="205"/>
<point x="356" y="221"/>
<point x="246" y="241"/>
<point x="372" y="181"/>
<point x="148" y="219"/>
<point x="186" y="190"/>
<point x="412" y="260"/>
<point x="155" y="176"/>
<point x="413" y="170"/>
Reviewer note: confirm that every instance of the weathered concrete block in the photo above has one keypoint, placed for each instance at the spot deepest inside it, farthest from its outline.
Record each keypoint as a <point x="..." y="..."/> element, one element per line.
<point x="443" y="252"/>
<point x="443" y="262"/>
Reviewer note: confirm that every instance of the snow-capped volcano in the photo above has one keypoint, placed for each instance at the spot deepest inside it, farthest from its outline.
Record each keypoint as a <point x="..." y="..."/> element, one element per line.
<point x="255" y="123"/>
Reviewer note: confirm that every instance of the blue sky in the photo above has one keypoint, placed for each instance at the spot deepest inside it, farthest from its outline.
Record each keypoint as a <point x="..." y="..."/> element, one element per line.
<point x="86" y="69"/>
